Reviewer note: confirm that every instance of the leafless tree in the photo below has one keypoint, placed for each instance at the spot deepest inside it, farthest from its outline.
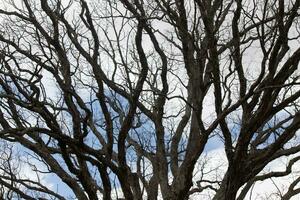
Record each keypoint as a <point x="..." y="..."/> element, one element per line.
<point x="120" y="98"/>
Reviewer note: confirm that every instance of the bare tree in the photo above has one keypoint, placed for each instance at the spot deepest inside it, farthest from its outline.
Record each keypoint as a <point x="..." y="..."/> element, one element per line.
<point x="120" y="98"/>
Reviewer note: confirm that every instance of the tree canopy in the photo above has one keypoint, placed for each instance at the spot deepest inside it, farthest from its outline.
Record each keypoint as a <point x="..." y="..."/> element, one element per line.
<point x="122" y="98"/>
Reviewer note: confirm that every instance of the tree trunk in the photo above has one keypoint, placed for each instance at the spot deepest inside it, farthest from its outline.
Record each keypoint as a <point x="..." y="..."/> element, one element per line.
<point x="229" y="187"/>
